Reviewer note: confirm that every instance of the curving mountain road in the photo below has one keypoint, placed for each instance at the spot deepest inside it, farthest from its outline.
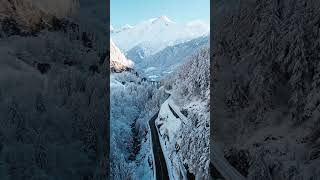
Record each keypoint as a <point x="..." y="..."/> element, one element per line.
<point x="161" y="166"/>
<point x="219" y="162"/>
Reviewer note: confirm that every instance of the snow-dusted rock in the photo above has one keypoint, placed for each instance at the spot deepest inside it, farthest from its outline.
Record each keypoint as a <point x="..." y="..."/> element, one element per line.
<point x="118" y="61"/>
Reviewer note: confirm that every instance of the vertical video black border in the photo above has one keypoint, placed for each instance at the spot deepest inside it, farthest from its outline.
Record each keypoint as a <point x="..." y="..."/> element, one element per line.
<point x="107" y="136"/>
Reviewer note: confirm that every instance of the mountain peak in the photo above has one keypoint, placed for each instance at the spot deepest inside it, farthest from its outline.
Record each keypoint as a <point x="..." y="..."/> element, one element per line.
<point x="165" y="18"/>
<point x="127" y="26"/>
<point x="162" y="18"/>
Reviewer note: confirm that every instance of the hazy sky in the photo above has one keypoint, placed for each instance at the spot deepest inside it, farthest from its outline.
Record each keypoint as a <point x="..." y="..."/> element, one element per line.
<point x="134" y="11"/>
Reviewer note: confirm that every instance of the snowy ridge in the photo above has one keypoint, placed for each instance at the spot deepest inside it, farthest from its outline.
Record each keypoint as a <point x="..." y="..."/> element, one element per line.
<point x="118" y="61"/>
<point x="157" y="33"/>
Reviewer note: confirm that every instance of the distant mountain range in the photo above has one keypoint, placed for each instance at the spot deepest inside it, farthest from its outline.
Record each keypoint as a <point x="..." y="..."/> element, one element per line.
<point x="155" y="34"/>
<point x="166" y="60"/>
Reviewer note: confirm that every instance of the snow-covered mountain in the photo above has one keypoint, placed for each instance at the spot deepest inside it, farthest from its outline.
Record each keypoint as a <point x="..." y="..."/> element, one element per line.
<point x="155" y="34"/>
<point x="118" y="61"/>
<point x="166" y="60"/>
<point x="124" y="28"/>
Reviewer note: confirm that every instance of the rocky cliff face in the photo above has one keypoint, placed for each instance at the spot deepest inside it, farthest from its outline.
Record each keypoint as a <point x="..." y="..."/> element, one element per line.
<point x="266" y="100"/>
<point x="118" y="62"/>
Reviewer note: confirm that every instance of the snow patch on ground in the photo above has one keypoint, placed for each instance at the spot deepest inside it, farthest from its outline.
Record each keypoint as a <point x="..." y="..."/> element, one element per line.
<point x="171" y="124"/>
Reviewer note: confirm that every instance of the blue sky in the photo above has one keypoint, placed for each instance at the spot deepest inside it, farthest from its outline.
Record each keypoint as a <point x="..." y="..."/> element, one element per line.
<point x="134" y="11"/>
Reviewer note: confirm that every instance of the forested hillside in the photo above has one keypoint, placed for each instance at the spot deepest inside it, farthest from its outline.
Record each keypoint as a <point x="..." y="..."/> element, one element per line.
<point x="184" y="119"/>
<point x="133" y="101"/>
<point x="30" y="15"/>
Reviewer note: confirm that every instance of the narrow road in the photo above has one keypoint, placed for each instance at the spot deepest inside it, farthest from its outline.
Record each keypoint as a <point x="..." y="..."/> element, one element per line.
<point x="173" y="112"/>
<point x="161" y="166"/>
<point x="219" y="162"/>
